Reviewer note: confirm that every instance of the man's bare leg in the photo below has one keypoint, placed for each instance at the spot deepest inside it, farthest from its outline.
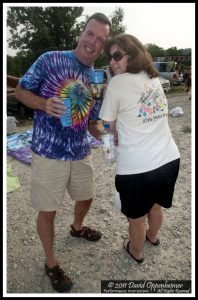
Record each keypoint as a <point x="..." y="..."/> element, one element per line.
<point x="81" y="208"/>
<point x="45" y="228"/>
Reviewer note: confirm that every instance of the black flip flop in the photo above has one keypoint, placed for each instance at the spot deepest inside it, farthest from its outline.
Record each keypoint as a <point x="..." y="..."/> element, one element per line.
<point x="127" y="249"/>
<point x="156" y="243"/>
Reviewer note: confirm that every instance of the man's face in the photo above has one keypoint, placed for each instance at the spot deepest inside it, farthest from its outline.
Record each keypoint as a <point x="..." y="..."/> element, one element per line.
<point x="91" y="42"/>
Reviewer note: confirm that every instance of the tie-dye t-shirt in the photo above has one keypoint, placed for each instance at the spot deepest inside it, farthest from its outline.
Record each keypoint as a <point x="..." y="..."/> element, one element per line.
<point x="60" y="74"/>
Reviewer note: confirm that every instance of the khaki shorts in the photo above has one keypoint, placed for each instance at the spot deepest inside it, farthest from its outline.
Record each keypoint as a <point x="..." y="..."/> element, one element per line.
<point x="51" y="178"/>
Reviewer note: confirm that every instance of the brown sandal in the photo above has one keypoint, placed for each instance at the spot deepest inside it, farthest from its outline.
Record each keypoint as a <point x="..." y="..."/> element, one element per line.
<point x="59" y="280"/>
<point x="87" y="233"/>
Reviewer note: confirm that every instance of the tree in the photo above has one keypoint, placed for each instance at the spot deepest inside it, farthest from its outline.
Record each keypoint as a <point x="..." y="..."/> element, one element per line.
<point x="36" y="30"/>
<point x="186" y="51"/>
<point x="11" y="66"/>
<point x="43" y="28"/>
<point x="19" y="64"/>
<point x="116" y="20"/>
<point x="172" y="51"/>
<point x="154" y="50"/>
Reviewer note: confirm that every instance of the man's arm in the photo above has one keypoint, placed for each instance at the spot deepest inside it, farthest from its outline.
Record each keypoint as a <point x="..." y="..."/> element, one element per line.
<point x="95" y="128"/>
<point x="52" y="106"/>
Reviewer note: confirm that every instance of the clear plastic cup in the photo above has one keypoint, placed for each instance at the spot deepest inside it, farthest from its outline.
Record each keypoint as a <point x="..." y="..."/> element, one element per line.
<point x="97" y="80"/>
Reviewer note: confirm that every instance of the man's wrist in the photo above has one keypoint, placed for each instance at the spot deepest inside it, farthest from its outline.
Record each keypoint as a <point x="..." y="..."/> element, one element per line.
<point x="41" y="104"/>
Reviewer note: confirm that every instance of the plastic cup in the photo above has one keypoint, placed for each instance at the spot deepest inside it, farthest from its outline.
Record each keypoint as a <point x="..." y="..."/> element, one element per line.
<point x="66" y="119"/>
<point x="97" y="79"/>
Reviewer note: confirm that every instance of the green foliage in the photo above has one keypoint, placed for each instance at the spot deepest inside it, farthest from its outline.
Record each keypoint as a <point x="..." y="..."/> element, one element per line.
<point x="17" y="65"/>
<point x="116" y="21"/>
<point x="172" y="51"/>
<point x="154" y="50"/>
<point x="11" y="66"/>
<point x="35" y="30"/>
<point x="43" y="28"/>
<point x="186" y="51"/>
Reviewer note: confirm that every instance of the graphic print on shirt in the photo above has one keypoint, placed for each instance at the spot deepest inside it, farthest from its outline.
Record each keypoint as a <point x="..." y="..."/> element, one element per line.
<point x="152" y="104"/>
<point x="64" y="81"/>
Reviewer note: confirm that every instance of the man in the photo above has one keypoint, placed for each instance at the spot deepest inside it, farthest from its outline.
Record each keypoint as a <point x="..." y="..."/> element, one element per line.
<point x="61" y="155"/>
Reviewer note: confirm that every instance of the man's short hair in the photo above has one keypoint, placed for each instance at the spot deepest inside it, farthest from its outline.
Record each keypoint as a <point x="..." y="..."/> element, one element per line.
<point x="100" y="17"/>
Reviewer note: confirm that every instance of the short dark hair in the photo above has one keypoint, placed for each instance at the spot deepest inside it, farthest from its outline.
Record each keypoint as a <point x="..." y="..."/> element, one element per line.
<point x="100" y="17"/>
<point x="139" y="58"/>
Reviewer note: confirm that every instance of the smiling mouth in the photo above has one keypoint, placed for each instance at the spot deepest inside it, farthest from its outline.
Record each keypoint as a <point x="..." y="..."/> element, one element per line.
<point x="89" y="50"/>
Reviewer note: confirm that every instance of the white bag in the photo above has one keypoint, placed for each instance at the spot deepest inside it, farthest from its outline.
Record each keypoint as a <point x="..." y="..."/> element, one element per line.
<point x="176" y="112"/>
<point x="117" y="202"/>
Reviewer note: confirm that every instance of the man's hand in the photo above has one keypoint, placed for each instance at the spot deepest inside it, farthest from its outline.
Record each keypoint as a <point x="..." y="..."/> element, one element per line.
<point x="94" y="129"/>
<point x="54" y="106"/>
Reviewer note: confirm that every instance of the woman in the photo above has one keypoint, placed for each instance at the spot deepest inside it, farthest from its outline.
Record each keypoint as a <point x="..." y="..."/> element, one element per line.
<point x="148" y="158"/>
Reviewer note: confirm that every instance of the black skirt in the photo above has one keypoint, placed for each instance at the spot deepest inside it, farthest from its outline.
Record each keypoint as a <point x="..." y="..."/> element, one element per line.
<point x="139" y="192"/>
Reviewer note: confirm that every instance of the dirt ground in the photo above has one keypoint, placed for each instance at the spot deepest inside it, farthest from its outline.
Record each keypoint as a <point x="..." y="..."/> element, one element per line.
<point x="88" y="263"/>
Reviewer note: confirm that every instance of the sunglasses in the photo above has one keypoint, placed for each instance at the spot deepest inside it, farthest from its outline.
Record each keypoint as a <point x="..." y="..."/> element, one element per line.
<point x="117" y="56"/>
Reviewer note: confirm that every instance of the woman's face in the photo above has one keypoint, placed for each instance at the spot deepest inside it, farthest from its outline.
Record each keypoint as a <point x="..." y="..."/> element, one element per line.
<point x="118" y="60"/>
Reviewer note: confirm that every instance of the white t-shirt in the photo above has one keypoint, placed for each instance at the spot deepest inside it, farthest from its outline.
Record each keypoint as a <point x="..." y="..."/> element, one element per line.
<point x="140" y="107"/>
